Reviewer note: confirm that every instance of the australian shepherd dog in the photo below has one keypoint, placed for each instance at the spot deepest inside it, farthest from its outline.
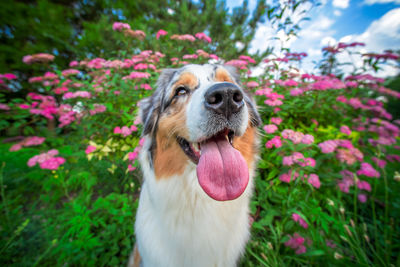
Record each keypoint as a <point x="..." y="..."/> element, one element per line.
<point x="198" y="160"/>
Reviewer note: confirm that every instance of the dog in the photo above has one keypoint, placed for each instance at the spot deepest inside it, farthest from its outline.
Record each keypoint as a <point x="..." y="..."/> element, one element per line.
<point x="198" y="160"/>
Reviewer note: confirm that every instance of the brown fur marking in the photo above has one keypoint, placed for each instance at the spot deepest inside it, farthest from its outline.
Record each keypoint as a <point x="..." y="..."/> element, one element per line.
<point x="246" y="144"/>
<point x="134" y="259"/>
<point x="187" y="79"/>
<point x="222" y="75"/>
<point x="169" y="159"/>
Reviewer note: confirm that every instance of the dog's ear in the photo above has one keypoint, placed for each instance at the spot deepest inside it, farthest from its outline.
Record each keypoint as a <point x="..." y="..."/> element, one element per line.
<point x="255" y="118"/>
<point x="150" y="108"/>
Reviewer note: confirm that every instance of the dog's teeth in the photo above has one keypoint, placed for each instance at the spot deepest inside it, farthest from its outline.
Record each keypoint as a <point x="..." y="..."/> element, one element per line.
<point x="195" y="147"/>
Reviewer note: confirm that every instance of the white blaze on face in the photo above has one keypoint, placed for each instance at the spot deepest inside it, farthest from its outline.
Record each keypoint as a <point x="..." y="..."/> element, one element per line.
<point x="198" y="117"/>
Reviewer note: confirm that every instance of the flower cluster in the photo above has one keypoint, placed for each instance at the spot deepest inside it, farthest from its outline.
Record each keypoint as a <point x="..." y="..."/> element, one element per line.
<point x="296" y="242"/>
<point x="47" y="160"/>
<point x="125" y="130"/>
<point x="297" y="137"/>
<point x="38" y="58"/>
<point x="132" y="156"/>
<point x="28" y="141"/>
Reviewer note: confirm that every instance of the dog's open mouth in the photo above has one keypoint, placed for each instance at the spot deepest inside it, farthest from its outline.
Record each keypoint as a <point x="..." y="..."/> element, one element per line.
<point x="221" y="169"/>
<point x="193" y="150"/>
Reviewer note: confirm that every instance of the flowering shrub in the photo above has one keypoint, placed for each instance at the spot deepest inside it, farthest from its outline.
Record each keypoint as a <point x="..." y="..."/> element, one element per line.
<point x="326" y="186"/>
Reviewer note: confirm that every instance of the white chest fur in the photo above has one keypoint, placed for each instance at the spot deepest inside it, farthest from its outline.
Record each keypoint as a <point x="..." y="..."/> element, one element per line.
<point x="177" y="224"/>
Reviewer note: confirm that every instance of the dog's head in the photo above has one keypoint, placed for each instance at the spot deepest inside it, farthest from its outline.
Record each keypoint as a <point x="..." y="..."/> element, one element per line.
<point x="199" y="115"/>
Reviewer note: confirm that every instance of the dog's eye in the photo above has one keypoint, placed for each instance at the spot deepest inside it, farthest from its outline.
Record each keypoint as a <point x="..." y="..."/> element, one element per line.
<point x="181" y="90"/>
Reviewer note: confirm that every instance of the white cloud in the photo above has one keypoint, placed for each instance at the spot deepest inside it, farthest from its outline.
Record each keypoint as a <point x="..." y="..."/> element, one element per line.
<point x="382" y="34"/>
<point x="263" y="39"/>
<point x="337" y="13"/>
<point x="266" y="35"/>
<point x="341" y="3"/>
<point x="328" y="41"/>
<point x="312" y="52"/>
<point x="372" y="2"/>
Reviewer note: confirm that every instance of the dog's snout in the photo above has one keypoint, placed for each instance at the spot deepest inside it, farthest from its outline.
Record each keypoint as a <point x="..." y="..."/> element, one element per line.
<point x="224" y="98"/>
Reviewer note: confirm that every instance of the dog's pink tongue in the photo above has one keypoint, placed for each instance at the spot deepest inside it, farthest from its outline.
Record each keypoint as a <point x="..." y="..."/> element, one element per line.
<point x="222" y="171"/>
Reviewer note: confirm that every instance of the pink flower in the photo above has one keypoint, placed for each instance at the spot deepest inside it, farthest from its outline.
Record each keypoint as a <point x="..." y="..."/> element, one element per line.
<point x="362" y="198"/>
<point x="275" y="141"/>
<point x="60" y="90"/>
<point x="119" y="26"/>
<point x="203" y="36"/>
<point x="16" y="147"/>
<point x="194" y="56"/>
<point x="314" y="121"/>
<point x="287" y="161"/>
<point x="125" y="131"/>
<point x="297" y="137"/>
<point x="37" y="58"/>
<point x="349" y="156"/>
<point x="345" y="129"/>
<point x="290" y="83"/>
<point x="184" y="37"/>
<point x="364" y="185"/>
<point x="4" y="107"/>
<point x="307" y="162"/>
<point x="237" y="63"/>
<point x="351" y="84"/>
<point x="270" y="128"/>
<point x="307" y="139"/>
<point x="132" y="155"/>
<point x="252" y="84"/>
<point x="52" y="163"/>
<point x="141" y="141"/>
<point x="9" y="76"/>
<point x="247" y="58"/>
<point x="69" y="72"/>
<point x="313" y="180"/>
<point x="368" y="170"/>
<point x="131" y="168"/>
<point x="297" y="218"/>
<point x="213" y="56"/>
<point x="347" y="181"/>
<point x="141" y="66"/>
<point x="146" y="86"/>
<point x="136" y="75"/>
<point x="393" y="158"/>
<point x="83" y="94"/>
<point x="296" y="242"/>
<point x="287" y="177"/>
<point x="73" y="63"/>
<point x="98" y="108"/>
<point x="380" y="162"/>
<point x="117" y="130"/>
<point x="29" y="141"/>
<point x="276" y="120"/>
<point x="161" y="33"/>
<point x="46" y="160"/>
<point x="90" y="149"/>
<point x="330" y="243"/>
<point x="296" y="92"/>
<point x="328" y="146"/>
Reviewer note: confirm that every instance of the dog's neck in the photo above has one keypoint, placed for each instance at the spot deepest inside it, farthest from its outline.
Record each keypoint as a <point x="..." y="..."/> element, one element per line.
<point x="183" y="220"/>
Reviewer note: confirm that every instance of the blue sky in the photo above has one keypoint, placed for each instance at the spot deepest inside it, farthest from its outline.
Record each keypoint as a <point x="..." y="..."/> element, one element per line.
<point x="375" y="22"/>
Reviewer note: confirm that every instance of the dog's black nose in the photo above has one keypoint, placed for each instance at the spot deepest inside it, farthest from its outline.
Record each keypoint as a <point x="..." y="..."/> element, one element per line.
<point x="224" y="98"/>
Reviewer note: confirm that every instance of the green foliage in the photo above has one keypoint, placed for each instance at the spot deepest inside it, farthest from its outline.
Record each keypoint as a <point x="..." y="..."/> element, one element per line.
<point x="81" y="213"/>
